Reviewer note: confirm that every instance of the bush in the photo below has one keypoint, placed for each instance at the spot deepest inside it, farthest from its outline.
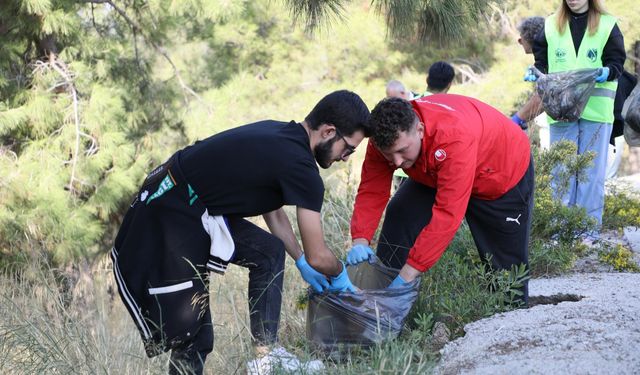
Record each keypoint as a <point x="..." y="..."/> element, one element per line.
<point x="619" y="257"/>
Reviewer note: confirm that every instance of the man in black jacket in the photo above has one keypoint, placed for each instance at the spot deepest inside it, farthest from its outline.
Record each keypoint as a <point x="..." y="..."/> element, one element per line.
<point x="189" y="218"/>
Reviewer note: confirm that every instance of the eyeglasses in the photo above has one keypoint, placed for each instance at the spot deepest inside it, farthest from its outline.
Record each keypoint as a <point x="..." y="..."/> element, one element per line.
<point x="348" y="148"/>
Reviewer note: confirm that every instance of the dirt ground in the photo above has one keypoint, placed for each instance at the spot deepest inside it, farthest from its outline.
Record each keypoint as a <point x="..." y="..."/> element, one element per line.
<point x="581" y="323"/>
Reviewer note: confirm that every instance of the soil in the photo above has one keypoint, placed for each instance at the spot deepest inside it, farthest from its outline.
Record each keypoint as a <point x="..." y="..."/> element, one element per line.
<point x="586" y="322"/>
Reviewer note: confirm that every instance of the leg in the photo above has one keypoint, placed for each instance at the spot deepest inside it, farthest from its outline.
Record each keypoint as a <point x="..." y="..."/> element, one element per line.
<point x="189" y="358"/>
<point x="501" y="227"/>
<point x="408" y="212"/>
<point x="264" y="255"/>
<point x="614" y="158"/>
<point x="594" y="137"/>
<point x="564" y="190"/>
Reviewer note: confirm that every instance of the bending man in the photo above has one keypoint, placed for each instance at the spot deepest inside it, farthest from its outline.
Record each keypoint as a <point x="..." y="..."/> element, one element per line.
<point x="189" y="218"/>
<point x="464" y="160"/>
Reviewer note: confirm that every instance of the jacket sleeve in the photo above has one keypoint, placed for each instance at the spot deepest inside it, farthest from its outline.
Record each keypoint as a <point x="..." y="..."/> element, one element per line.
<point x="455" y="177"/>
<point x="373" y="194"/>
<point x="614" y="54"/>
<point x="539" y="49"/>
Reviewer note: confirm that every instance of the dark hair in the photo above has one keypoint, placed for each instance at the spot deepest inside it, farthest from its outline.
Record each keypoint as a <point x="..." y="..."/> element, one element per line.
<point x="344" y="109"/>
<point x="530" y="27"/>
<point x="388" y="118"/>
<point x="441" y="74"/>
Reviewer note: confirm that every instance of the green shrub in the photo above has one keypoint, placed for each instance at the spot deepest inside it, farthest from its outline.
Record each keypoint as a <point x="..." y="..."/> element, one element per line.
<point x="619" y="257"/>
<point x="621" y="209"/>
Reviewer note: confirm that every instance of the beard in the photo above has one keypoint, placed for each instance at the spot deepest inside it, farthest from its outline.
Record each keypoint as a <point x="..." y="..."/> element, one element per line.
<point x="322" y="153"/>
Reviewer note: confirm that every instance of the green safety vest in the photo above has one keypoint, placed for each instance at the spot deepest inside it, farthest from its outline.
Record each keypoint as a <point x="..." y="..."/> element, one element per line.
<point x="562" y="57"/>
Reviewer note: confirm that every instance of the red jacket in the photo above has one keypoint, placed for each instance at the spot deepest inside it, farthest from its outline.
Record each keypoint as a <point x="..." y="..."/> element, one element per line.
<point x="469" y="149"/>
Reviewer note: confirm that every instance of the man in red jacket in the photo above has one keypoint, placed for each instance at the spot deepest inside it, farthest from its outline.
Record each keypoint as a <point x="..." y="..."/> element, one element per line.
<point x="464" y="159"/>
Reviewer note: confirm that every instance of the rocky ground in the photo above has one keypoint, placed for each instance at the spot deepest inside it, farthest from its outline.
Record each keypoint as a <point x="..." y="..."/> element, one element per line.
<point x="587" y="322"/>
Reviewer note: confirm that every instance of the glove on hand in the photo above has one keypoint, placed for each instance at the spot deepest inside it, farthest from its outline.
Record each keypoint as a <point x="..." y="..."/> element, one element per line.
<point x="398" y="282"/>
<point x="603" y="74"/>
<point x="358" y="254"/>
<point x="530" y="76"/>
<point x="515" y="118"/>
<point x="317" y="280"/>
<point x="341" y="283"/>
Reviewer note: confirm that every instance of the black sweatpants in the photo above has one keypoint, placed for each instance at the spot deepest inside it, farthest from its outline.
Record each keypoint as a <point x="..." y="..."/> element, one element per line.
<point x="264" y="255"/>
<point x="500" y="227"/>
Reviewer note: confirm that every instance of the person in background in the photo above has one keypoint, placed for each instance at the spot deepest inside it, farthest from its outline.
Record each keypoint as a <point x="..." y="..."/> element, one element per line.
<point x="453" y="149"/>
<point x="395" y="89"/>
<point x="626" y="83"/>
<point x="189" y="218"/>
<point x="582" y="35"/>
<point x="528" y="29"/>
<point x="439" y="78"/>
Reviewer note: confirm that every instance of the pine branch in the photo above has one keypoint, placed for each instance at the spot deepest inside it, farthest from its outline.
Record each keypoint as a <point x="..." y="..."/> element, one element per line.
<point x="136" y="29"/>
<point x="315" y="13"/>
<point x="61" y="68"/>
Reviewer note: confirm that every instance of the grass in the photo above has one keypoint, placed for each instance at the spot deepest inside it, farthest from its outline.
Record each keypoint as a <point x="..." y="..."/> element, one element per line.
<point x="85" y="329"/>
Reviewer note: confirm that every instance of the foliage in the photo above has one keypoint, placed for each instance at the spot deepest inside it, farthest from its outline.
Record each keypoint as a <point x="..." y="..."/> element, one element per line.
<point x="552" y="220"/>
<point x="621" y="209"/>
<point x="619" y="257"/>
<point x="443" y="21"/>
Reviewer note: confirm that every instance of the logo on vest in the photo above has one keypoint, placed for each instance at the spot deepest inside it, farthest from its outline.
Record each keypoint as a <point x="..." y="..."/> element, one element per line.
<point x="561" y="55"/>
<point x="440" y="154"/>
<point x="592" y="54"/>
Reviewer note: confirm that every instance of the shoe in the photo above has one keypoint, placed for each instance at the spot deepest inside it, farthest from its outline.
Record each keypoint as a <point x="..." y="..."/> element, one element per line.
<point x="280" y="359"/>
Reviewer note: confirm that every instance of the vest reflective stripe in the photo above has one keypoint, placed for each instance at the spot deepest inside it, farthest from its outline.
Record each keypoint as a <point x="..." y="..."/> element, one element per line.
<point x="607" y="93"/>
<point x="562" y="57"/>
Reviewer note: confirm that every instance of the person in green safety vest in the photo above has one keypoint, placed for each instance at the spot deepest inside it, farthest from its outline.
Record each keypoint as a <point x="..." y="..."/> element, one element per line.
<point x="582" y="35"/>
<point x="439" y="80"/>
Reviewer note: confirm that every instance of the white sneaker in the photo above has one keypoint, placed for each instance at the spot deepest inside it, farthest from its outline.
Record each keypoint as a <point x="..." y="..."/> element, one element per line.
<point x="280" y="359"/>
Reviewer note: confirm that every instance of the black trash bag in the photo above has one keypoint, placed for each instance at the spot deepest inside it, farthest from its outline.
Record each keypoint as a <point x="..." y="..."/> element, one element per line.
<point x="565" y="94"/>
<point x="631" y="115"/>
<point x="368" y="317"/>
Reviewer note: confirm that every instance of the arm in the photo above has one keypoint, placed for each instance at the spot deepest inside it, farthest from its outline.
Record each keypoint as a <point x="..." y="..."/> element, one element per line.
<point x="455" y="181"/>
<point x="373" y="196"/>
<point x="531" y="109"/>
<point x="614" y="54"/>
<point x="316" y="251"/>
<point x="539" y="48"/>
<point x="280" y="226"/>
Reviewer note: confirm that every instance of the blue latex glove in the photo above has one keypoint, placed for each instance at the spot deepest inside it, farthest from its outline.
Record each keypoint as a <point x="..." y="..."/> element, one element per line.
<point x="603" y="74"/>
<point x="358" y="254"/>
<point x="398" y="282"/>
<point x="515" y="118"/>
<point x="530" y="76"/>
<point x="341" y="283"/>
<point x="317" y="280"/>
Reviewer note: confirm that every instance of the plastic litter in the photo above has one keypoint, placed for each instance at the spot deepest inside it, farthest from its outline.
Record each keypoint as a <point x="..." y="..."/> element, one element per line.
<point x="565" y="94"/>
<point x="631" y="115"/>
<point x="342" y="321"/>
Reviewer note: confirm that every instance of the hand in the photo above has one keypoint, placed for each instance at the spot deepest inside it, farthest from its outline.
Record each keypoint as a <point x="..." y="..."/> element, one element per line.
<point x="530" y="75"/>
<point x="603" y="74"/>
<point x="317" y="280"/>
<point x="358" y="254"/>
<point x="398" y="282"/>
<point x="341" y="283"/>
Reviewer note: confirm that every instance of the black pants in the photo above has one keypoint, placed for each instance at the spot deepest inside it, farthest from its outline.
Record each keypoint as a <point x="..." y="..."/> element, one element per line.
<point x="264" y="255"/>
<point x="500" y="227"/>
